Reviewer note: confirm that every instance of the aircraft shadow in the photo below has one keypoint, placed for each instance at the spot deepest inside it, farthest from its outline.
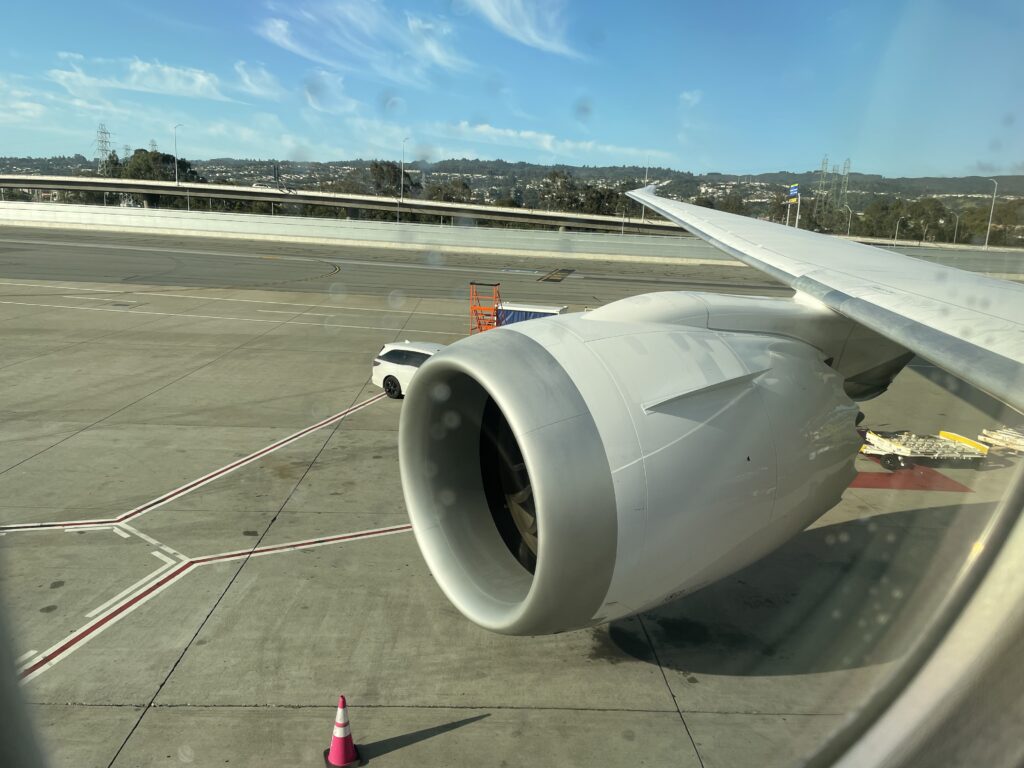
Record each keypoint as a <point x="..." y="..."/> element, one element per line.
<point x="964" y="392"/>
<point x="841" y="596"/>
<point x="380" y="748"/>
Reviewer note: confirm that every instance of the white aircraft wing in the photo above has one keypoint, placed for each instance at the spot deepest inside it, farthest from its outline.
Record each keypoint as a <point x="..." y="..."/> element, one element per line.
<point x="968" y="324"/>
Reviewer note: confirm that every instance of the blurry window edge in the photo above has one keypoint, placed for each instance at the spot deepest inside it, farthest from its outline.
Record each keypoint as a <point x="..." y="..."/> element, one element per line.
<point x="967" y="583"/>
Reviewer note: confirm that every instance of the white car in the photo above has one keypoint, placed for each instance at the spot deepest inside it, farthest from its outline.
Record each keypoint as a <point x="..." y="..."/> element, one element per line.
<point x="397" y="363"/>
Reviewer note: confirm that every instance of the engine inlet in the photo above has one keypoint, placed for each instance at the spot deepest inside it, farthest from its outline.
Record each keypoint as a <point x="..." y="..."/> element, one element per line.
<point x="507" y="486"/>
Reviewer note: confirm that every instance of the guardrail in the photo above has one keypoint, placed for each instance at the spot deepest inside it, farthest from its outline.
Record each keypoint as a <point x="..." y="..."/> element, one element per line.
<point x="406" y="206"/>
<point x="371" y="234"/>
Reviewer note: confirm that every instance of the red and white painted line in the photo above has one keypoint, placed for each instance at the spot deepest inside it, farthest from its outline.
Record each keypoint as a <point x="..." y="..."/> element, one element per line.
<point x="168" y="563"/>
<point x="170" y="496"/>
<point x="916" y="478"/>
<point x="116" y="609"/>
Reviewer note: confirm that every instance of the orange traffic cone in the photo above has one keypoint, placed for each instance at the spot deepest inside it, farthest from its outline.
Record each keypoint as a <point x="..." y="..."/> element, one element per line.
<point x="342" y="752"/>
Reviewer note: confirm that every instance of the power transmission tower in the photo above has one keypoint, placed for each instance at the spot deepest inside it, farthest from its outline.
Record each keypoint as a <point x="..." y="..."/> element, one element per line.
<point x="844" y="187"/>
<point x="820" y="192"/>
<point x="833" y="191"/>
<point x="103" y="147"/>
<point x="152" y="145"/>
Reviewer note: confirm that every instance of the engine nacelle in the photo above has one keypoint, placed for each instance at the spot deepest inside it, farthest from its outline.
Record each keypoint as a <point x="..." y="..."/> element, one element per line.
<point x="564" y="472"/>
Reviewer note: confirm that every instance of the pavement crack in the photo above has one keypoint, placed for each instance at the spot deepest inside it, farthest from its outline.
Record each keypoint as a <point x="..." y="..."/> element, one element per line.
<point x="238" y="570"/>
<point x="671" y="693"/>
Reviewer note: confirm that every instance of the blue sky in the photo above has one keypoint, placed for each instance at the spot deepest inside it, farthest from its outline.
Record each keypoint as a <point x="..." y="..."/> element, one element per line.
<point x="902" y="88"/>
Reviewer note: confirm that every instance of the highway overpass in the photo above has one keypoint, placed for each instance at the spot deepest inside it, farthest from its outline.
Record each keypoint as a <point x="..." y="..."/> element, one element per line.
<point x="352" y="202"/>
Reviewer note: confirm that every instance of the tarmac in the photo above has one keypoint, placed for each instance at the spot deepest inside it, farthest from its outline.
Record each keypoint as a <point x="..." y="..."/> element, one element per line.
<point x="213" y="543"/>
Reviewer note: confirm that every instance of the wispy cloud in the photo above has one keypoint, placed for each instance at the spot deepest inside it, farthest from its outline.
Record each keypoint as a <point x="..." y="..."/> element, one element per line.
<point x="263" y="133"/>
<point x="547" y="142"/>
<point x="18" y="105"/>
<point x="142" y="76"/>
<point x="257" y="81"/>
<point x="325" y="92"/>
<point x="365" y="36"/>
<point x="378" y="136"/>
<point x="539" y="25"/>
<point x="428" y="36"/>
<point x="279" y="32"/>
<point x="691" y="98"/>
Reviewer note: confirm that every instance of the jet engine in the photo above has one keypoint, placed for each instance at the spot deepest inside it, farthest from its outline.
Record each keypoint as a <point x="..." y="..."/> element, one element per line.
<point x="564" y="472"/>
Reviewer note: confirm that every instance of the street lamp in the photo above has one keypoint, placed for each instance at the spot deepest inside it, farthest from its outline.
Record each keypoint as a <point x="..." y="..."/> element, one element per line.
<point x="179" y="125"/>
<point x="992" y="210"/>
<point x="894" y="237"/>
<point x="849" y="220"/>
<point x="401" y="181"/>
<point x="643" y="208"/>
<point x="956" y="225"/>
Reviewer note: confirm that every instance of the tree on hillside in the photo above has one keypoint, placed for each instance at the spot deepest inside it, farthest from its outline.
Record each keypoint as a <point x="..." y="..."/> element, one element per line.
<point x="561" y="193"/>
<point x="451" y="190"/>
<point x="926" y="220"/>
<point x="513" y="198"/>
<point x="385" y="178"/>
<point x="1007" y="221"/>
<point x="881" y="215"/>
<point x="600" y="200"/>
<point x="153" y="165"/>
<point x="158" y="166"/>
<point x="732" y="203"/>
<point x="110" y="166"/>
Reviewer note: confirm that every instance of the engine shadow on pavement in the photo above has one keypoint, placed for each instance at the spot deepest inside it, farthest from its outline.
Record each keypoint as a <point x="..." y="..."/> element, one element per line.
<point x="840" y="596"/>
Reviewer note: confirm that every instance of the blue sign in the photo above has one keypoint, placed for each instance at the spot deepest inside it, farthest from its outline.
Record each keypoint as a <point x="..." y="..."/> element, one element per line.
<point x="794" y="190"/>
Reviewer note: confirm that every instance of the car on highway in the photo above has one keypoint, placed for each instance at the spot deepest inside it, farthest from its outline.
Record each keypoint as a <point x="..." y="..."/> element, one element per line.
<point x="397" y="363"/>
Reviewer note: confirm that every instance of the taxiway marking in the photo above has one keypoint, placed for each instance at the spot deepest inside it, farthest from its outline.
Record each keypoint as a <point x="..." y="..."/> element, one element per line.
<point x="234" y="319"/>
<point x="297" y="304"/>
<point x="152" y="541"/>
<point x="168" y="563"/>
<point x="159" y="501"/>
<point x="111" y="297"/>
<point x="916" y="478"/>
<point x="153" y="587"/>
<point x="51" y="286"/>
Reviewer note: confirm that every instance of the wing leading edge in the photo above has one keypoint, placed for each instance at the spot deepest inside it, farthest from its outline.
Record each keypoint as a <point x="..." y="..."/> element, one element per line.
<point x="968" y="324"/>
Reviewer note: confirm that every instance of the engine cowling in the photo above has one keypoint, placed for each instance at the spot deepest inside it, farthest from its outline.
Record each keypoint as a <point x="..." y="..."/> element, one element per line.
<point x="564" y="472"/>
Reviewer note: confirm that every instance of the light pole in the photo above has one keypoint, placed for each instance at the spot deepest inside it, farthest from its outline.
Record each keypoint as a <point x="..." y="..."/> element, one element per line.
<point x="992" y="210"/>
<point x="401" y="181"/>
<point x="956" y="225"/>
<point x="894" y="237"/>
<point x="643" y="208"/>
<point x="622" y="208"/>
<point x="849" y="220"/>
<point x="179" y="125"/>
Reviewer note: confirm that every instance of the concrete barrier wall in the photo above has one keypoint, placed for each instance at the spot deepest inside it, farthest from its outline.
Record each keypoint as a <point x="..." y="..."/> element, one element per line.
<point x="425" y="237"/>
